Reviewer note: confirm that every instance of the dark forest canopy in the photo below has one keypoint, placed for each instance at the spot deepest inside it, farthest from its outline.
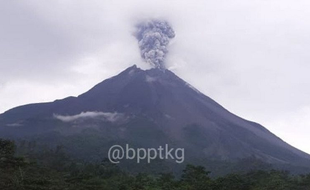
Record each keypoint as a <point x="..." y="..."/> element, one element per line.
<point x="54" y="170"/>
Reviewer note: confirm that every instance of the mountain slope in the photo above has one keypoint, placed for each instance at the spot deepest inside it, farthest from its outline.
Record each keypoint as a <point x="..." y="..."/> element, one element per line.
<point x="149" y="108"/>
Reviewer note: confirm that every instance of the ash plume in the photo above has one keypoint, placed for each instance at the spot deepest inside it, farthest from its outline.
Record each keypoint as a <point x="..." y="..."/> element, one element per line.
<point x="153" y="37"/>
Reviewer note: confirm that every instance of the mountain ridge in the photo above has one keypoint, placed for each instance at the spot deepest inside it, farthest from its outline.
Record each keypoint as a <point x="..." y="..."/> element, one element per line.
<point x="151" y="107"/>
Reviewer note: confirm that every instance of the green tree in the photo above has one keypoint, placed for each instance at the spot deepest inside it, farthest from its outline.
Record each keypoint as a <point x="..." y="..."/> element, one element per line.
<point x="231" y="181"/>
<point x="195" y="177"/>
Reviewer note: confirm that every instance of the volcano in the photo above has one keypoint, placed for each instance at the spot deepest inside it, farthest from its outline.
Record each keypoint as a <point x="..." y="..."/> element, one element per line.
<point x="147" y="108"/>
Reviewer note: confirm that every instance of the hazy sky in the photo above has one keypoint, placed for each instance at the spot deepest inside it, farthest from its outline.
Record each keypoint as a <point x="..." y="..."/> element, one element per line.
<point x="251" y="56"/>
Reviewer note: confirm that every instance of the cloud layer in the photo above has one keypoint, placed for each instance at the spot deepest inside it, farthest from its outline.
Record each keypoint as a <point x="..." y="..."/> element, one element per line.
<point x="105" y="116"/>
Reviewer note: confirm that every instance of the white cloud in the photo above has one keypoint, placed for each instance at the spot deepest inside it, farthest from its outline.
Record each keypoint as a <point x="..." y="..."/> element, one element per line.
<point x="106" y="116"/>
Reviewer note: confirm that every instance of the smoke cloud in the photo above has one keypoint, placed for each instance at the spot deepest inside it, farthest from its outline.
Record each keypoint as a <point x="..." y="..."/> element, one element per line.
<point x="154" y="37"/>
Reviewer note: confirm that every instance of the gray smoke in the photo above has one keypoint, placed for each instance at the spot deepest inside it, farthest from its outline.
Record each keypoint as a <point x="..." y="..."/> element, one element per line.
<point x="154" y="37"/>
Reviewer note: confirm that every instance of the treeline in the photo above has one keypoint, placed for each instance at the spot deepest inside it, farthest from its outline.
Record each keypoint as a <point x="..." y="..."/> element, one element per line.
<point x="54" y="170"/>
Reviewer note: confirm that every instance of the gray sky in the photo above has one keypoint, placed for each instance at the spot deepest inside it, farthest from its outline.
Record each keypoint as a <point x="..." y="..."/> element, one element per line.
<point x="250" y="56"/>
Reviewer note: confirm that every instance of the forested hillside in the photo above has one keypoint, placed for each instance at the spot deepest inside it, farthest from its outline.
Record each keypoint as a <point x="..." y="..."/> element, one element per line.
<point x="52" y="169"/>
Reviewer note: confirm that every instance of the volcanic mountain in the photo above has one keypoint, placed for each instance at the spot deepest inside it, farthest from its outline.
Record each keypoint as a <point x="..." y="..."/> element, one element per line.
<point x="147" y="108"/>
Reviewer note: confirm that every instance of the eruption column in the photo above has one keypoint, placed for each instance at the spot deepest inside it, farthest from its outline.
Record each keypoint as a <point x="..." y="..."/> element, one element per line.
<point x="154" y="37"/>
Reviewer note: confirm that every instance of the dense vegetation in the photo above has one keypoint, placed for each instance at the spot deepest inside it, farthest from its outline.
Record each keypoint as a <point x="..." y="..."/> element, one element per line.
<point x="52" y="169"/>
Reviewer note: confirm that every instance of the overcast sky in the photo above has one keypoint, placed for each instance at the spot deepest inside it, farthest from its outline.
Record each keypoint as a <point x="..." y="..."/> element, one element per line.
<point x="251" y="56"/>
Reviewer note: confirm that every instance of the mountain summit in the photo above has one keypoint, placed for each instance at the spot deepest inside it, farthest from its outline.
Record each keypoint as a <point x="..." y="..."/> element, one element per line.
<point x="149" y="108"/>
